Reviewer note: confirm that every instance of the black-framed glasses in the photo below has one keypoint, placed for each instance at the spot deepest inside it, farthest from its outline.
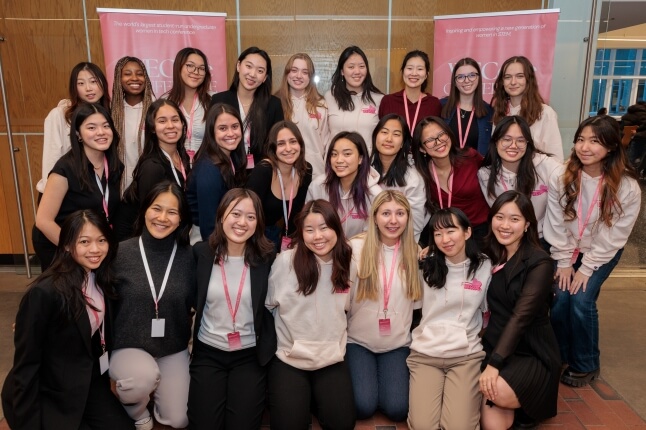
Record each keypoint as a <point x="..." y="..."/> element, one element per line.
<point x="440" y="139"/>
<point x="470" y="76"/>
<point x="192" y="68"/>
<point x="506" y="141"/>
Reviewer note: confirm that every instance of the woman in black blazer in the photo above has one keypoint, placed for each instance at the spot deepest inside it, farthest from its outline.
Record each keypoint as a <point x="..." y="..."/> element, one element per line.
<point x="234" y="336"/>
<point x="59" y="378"/>
<point x="250" y="94"/>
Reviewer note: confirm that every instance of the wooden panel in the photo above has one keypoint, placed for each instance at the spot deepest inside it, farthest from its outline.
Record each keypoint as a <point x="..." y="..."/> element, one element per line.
<point x="12" y="243"/>
<point x="38" y="57"/>
<point x="35" y="9"/>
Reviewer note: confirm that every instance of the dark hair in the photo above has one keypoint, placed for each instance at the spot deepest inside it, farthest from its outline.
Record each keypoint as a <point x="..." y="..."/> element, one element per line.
<point x="424" y="56"/>
<point x="75" y="99"/>
<point x="212" y="150"/>
<point x="340" y="92"/>
<point x="498" y="252"/>
<point x="454" y="93"/>
<point x="258" y="248"/>
<point x="396" y="174"/>
<point x="421" y="159"/>
<point x="614" y="167"/>
<point x="256" y="118"/>
<point x="531" y="105"/>
<point x="526" y="176"/>
<point x="151" y="145"/>
<point x="176" y="93"/>
<point x="272" y="141"/>
<point x="306" y="266"/>
<point x="67" y="276"/>
<point x="359" y="187"/>
<point x="184" y="228"/>
<point x="434" y="268"/>
<point x="79" y="159"/>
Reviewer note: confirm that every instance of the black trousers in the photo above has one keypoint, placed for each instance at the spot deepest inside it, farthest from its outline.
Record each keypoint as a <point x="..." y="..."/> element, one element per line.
<point x="291" y="391"/>
<point x="227" y="389"/>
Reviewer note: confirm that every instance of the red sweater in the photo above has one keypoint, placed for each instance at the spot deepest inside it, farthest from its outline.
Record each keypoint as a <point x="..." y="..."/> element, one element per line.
<point x="394" y="103"/>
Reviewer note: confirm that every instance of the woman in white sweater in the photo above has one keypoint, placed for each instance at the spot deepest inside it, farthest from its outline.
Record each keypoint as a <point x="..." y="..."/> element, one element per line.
<point x="308" y="294"/>
<point x="87" y="84"/>
<point x="353" y="100"/>
<point x="597" y="196"/>
<point x="514" y="163"/>
<point x="303" y="105"/>
<point x="446" y="352"/>
<point x="382" y="299"/>
<point x="350" y="184"/>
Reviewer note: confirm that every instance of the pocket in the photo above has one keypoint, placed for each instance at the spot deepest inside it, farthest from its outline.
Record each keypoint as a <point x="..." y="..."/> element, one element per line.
<point x="444" y="340"/>
<point x="313" y="354"/>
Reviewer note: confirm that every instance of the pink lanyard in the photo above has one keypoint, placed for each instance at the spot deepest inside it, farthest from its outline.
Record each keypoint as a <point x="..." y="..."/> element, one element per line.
<point x="345" y="217"/>
<point x="502" y="181"/>
<point x="463" y="142"/>
<point x="105" y="195"/>
<point x="97" y="320"/>
<point x="286" y="212"/>
<point x="233" y="311"/>
<point x="419" y="104"/>
<point x="182" y="170"/>
<point x="439" y="188"/>
<point x="579" y="203"/>
<point x="388" y="285"/>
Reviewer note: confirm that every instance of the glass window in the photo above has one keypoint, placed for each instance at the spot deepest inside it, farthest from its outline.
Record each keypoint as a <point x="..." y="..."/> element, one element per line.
<point x="620" y="96"/>
<point x="598" y="95"/>
<point x="625" y="62"/>
<point x="602" y="62"/>
<point x="641" y="86"/>
<point x="642" y="69"/>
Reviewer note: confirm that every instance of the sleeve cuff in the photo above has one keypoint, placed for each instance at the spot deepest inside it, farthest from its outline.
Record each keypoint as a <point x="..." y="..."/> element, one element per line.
<point x="496" y="361"/>
<point x="586" y="270"/>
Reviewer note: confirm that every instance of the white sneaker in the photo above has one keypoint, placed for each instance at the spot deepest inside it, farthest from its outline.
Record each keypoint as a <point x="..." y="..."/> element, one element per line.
<point x="144" y="424"/>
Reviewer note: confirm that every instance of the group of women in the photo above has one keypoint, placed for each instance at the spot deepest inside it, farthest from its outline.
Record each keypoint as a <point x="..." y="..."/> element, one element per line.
<point x="307" y="289"/>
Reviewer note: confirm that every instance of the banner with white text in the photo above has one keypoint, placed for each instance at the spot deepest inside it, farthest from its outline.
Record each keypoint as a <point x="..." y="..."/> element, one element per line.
<point x="492" y="38"/>
<point x="155" y="37"/>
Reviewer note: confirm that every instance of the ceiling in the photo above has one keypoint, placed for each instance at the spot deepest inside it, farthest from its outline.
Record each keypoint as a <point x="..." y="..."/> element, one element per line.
<point x="616" y="15"/>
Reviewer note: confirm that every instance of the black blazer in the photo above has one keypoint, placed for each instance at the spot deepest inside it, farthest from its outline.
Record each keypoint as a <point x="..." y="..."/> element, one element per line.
<point x="54" y="364"/>
<point x="263" y="321"/>
<point x="274" y="114"/>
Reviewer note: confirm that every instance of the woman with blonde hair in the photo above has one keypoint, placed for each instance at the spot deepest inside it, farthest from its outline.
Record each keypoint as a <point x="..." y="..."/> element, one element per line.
<point x="382" y="299"/>
<point x="305" y="106"/>
<point x="132" y="95"/>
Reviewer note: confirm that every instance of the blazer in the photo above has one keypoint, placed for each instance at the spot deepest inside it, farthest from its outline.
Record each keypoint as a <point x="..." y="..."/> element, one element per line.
<point x="274" y="114"/>
<point x="54" y="366"/>
<point x="263" y="321"/>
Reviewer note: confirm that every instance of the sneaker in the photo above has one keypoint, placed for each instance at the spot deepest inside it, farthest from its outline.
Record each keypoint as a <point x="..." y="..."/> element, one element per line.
<point x="144" y="424"/>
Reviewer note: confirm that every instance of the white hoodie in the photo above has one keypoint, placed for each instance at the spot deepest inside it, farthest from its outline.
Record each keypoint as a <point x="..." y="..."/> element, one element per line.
<point x="56" y="140"/>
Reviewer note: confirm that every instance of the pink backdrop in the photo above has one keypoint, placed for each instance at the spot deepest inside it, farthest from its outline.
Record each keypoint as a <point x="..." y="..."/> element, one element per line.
<point x="492" y="38"/>
<point x="156" y="36"/>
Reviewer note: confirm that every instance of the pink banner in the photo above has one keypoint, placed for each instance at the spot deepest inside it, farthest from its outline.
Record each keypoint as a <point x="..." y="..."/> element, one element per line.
<point x="155" y="37"/>
<point x="492" y="38"/>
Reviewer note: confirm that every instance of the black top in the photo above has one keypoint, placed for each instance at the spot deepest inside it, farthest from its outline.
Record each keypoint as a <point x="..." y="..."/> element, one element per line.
<point x="260" y="182"/>
<point x="274" y="111"/>
<point x="472" y="137"/>
<point x="77" y="198"/>
<point x="135" y="308"/>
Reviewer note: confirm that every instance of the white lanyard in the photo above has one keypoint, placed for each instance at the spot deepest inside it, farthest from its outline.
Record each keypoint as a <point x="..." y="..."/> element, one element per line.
<point x="286" y="213"/>
<point x="105" y="195"/>
<point x="156" y="297"/>
<point x="172" y="168"/>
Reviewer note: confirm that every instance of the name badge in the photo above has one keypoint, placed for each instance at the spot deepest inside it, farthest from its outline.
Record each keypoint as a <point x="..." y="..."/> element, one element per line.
<point x="158" y="327"/>
<point x="250" y="162"/>
<point x="384" y="326"/>
<point x="234" y="341"/>
<point x="284" y="243"/>
<point x="104" y="362"/>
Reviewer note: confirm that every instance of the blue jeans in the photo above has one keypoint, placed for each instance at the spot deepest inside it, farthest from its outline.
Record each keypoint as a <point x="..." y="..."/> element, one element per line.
<point x="575" y="319"/>
<point x="379" y="381"/>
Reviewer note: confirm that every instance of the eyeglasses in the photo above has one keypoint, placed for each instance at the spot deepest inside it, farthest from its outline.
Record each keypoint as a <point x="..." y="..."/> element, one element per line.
<point x="471" y="77"/>
<point x="192" y="68"/>
<point x="441" y="139"/>
<point x="506" y="141"/>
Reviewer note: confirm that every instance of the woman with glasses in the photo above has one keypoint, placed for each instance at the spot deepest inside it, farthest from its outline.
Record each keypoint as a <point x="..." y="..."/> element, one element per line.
<point x="515" y="92"/>
<point x="464" y="104"/>
<point x="514" y="163"/>
<point x="450" y="173"/>
<point x="413" y="102"/>
<point x="250" y="93"/>
<point x="190" y="91"/>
